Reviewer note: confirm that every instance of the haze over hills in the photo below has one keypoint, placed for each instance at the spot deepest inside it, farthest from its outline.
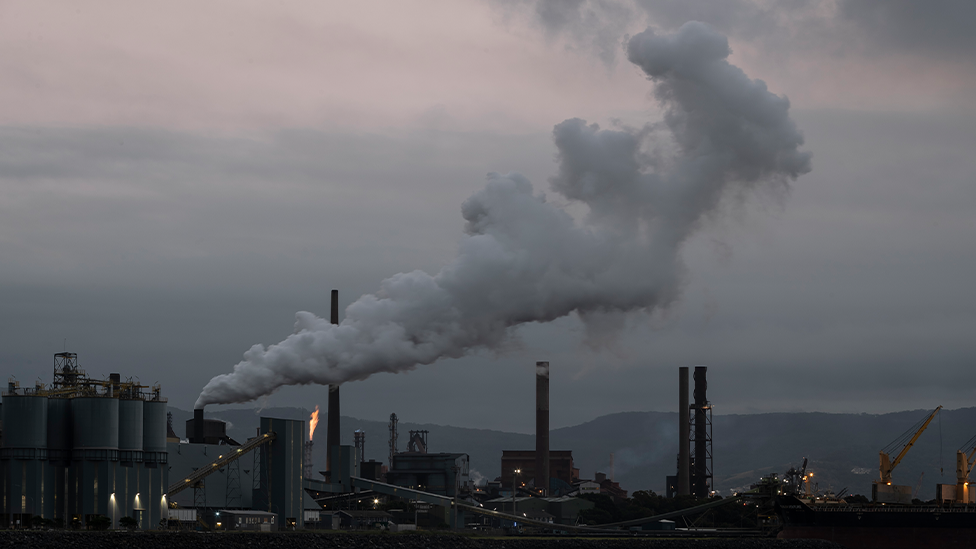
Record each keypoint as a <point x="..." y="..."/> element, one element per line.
<point x="842" y="448"/>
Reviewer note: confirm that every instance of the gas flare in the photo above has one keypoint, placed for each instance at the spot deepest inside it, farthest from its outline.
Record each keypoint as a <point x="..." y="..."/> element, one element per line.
<point x="313" y="421"/>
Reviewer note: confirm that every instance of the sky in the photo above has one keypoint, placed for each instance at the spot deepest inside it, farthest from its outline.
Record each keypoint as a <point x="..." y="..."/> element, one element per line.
<point x="180" y="179"/>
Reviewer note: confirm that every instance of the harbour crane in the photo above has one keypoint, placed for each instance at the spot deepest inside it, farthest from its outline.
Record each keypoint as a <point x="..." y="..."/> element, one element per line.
<point x="965" y="458"/>
<point x="887" y="464"/>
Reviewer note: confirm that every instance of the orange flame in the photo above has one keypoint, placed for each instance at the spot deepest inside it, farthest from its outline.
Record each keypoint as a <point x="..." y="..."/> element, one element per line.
<point x="313" y="422"/>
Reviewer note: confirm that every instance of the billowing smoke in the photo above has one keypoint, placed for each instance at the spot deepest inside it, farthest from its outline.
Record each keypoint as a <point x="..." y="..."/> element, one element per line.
<point x="524" y="259"/>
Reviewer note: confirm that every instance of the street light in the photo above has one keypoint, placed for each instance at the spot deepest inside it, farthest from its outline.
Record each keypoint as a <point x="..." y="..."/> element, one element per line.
<point x="515" y="475"/>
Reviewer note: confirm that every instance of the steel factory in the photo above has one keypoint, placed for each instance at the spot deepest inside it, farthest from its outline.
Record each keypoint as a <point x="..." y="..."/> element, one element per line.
<point x="90" y="453"/>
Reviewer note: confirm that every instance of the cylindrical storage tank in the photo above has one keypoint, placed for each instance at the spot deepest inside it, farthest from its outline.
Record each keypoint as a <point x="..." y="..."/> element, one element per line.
<point x="24" y="421"/>
<point x="95" y="422"/>
<point x="154" y="426"/>
<point x="130" y="424"/>
<point x="59" y="425"/>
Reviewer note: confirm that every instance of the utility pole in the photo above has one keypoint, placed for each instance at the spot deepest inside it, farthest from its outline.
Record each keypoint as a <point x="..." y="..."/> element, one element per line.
<point x="515" y="475"/>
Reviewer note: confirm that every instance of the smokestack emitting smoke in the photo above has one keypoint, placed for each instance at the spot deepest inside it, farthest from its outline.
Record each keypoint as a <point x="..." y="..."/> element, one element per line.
<point x="524" y="259"/>
<point x="197" y="426"/>
<point x="542" y="426"/>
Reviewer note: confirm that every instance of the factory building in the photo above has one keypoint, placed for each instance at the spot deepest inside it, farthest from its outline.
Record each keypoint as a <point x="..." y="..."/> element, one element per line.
<point x="266" y="477"/>
<point x="443" y="474"/>
<point x="562" y="472"/>
<point x="82" y="449"/>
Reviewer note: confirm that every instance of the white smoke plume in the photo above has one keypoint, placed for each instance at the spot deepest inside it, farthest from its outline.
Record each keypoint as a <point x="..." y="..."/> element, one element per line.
<point x="524" y="259"/>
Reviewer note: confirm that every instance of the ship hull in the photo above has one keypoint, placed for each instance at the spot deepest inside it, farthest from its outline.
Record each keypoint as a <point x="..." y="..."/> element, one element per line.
<point x="888" y="527"/>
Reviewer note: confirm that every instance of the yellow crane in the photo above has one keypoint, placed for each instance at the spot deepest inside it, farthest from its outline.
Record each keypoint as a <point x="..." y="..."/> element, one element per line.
<point x="888" y="464"/>
<point x="964" y="466"/>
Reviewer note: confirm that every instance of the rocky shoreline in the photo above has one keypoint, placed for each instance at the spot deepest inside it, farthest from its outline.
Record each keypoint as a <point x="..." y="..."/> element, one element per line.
<point x="303" y="540"/>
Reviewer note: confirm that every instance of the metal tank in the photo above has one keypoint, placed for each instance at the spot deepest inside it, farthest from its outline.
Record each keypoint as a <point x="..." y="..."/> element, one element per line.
<point x="130" y="425"/>
<point x="25" y="424"/>
<point x="59" y="428"/>
<point x="154" y="426"/>
<point x="95" y="423"/>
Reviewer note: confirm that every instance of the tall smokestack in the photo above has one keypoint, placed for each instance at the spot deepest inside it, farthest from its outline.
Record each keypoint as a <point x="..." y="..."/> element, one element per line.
<point x="701" y="433"/>
<point x="332" y="437"/>
<point x="684" y="434"/>
<point x="542" y="426"/>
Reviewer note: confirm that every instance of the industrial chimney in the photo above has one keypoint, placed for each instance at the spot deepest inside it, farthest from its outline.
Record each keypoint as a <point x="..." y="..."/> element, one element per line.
<point x="684" y="434"/>
<point x="702" y="474"/>
<point x="197" y="437"/>
<point x="332" y="436"/>
<point x="542" y="427"/>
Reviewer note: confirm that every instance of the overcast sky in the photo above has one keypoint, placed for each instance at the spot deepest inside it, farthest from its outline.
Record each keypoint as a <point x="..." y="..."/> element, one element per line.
<point x="179" y="179"/>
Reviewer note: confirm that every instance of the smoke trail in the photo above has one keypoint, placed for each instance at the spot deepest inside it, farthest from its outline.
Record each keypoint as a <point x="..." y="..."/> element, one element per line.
<point x="525" y="260"/>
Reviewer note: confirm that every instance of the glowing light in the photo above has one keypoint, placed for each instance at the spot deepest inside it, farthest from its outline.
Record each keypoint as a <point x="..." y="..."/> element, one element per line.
<point x="313" y="422"/>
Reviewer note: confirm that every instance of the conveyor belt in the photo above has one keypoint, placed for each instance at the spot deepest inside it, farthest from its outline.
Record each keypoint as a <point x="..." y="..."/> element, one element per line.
<point x="231" y="455"/>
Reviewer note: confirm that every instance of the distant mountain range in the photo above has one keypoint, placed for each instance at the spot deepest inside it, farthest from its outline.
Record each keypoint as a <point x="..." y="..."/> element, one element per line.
<point x="842" y="448"/>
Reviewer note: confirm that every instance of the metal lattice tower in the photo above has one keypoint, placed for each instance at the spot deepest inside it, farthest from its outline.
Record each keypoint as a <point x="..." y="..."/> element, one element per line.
<point x="359" y="441"/>
<point x="307" y="465"/>
<point x="701" y="437"/>
<point x="66" y="370"/>
<point x="232" y="493"/>
<point x="200" y="494"/>
<point x="256" y="470"/>
<point x="393" y="438"/>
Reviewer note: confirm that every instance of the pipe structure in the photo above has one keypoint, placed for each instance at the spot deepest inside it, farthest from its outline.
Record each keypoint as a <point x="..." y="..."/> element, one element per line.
<point x="701" y="433"/>
<point x="542" y="427"/>
<point x="684" y="434"/>
<point x="332" y="437"/>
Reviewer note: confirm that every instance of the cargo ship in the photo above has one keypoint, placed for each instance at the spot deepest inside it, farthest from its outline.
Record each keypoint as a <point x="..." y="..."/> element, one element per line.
<point x="878" y="525"/>
<point x="895" y="519"/>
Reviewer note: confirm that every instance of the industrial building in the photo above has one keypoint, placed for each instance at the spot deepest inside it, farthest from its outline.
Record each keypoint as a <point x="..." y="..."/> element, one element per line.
<point x="562" y="472"/>
<point x="263" y="474"/>
<point x="83" y="448"/>
<point x="84" y="452"/>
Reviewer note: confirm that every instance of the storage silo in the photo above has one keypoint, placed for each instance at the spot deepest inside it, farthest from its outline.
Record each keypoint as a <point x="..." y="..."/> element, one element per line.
<point x="24" y="454"/>
<point x="59" y="444"/>
<point x="130" y="430"/>
<point x="155" y="469"/>
<point x="153" y="427"/>
<point x="95" y="427"/>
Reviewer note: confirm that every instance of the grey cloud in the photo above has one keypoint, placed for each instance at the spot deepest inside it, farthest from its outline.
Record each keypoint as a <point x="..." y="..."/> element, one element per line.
<point x="934" y="27"/>
<point x="592" y="26"/>
<point x="871" y="28"/>
<point x="855" y="295"/>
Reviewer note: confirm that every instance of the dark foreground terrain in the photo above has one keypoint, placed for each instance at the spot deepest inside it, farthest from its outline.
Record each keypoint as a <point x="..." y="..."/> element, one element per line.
<point x="192" y="540"/>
